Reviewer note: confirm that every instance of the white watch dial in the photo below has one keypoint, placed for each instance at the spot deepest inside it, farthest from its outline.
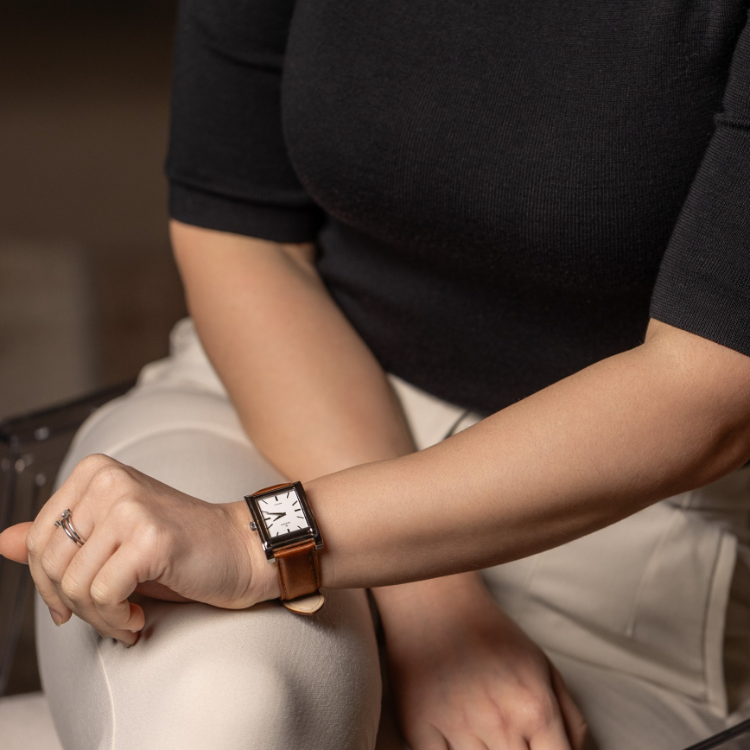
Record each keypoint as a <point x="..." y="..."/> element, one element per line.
<point x="282" y="513"/>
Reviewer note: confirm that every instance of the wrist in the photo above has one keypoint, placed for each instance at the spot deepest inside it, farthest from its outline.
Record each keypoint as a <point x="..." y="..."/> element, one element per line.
<point x="259" y="575"/>
<point x="409" y="606"/>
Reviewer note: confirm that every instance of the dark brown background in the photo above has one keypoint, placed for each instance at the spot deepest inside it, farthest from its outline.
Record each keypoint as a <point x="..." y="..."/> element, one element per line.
<point x="88" y="288"/>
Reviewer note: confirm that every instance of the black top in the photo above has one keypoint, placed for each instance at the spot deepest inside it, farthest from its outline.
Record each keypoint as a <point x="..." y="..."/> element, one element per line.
<point x="502" y="191"/>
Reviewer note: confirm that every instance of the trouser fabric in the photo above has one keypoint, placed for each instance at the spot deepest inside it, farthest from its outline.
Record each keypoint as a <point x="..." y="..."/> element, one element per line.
<point x="648" y="620"/>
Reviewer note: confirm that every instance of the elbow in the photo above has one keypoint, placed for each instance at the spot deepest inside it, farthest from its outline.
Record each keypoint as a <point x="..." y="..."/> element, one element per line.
<point x="733" y="450"/>
<point x="726" y="450"/>
<point x="709" y="385"/>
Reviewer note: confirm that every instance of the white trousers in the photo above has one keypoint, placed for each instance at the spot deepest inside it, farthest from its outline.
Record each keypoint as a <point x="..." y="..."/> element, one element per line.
<point x="648" y="620"/>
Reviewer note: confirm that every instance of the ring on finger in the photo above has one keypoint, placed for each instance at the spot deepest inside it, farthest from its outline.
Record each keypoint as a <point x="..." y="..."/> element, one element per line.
<point x="68" y="528"/>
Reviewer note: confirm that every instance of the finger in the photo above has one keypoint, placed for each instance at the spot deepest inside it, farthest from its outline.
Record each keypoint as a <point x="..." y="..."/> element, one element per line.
<point x="551" y="734"/>
<point x="427" y="737"/>
<point x="48" y="569"/>
<point x="73" y="590"/>
<point x="70" y="491"/>
<point x="496" y="742"/>
<point x="62" y="595"/>
<point x="40" y="534"/>
<point x="96" y="473"/>
<point x="13" y="542"/>
<point x="552" y="737"/>
<point x="43" y="529"/>
<point x="98" y="476"/>
<point x="76" y="586"/>
<point x="575" y="724"/>
<point x="473" y="742"/>
<point x="114" y="583"/>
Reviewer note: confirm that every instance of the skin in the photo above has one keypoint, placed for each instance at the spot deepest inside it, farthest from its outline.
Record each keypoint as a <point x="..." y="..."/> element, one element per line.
<point x="669" y="415"/>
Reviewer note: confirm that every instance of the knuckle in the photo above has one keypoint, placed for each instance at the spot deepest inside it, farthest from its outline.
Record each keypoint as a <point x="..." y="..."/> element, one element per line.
<point x="536" y="711"/>
<point x="109" y="478"/>
<point x="71" y="588"/>
<point x="33" y="544"/>
<point x="151" y="537"/>
<point x="49" y="565"/>
<point x="458" y="721"/>
<point x="528" y="712"/>
<point x="99" y="593"/>
<point x="128" y="508"/>
<point x="93" y="463"/>
<point x="500" y="721"/>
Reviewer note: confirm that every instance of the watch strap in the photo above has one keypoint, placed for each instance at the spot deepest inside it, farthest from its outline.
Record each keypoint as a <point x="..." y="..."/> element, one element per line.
<point x="299" y="570"/>
<point x="305" y="605"/>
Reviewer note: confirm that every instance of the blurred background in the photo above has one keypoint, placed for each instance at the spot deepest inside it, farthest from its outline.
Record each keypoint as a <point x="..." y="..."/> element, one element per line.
<point x="88" y="288"/>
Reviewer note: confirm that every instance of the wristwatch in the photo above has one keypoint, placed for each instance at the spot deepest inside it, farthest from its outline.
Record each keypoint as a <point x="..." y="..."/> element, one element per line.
<point x="290" y="536"/>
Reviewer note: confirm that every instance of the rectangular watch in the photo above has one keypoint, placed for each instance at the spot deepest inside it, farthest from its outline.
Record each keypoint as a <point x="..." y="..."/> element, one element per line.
<point x="290" y="537"/>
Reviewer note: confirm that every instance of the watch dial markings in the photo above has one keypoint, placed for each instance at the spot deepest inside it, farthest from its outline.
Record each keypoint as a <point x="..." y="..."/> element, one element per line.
<point x="287" y="510"/>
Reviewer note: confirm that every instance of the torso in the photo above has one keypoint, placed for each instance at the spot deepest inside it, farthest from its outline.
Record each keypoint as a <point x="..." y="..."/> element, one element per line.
<point x="503" y="177"/>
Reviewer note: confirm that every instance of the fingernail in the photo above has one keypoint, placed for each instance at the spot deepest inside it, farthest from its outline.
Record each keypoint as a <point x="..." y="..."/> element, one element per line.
<point x="56" y="617"/>
<point x="126" y="644"/>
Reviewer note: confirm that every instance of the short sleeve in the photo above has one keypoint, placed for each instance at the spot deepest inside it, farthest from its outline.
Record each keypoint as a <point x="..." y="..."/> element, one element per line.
<point x="703" y="284"/>
<point x="227" y="163"/>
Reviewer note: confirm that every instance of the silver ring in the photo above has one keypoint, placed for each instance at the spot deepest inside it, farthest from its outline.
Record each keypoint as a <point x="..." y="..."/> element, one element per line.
<point x="68" y="527"/>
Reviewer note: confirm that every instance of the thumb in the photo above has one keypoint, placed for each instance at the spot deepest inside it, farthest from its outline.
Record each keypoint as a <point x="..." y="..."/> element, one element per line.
<point x="13" y="542"/>
<point x="13" y="546"/>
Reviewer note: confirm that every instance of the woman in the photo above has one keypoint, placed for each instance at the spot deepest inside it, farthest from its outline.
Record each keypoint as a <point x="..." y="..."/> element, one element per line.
<point x="520" y="224"/>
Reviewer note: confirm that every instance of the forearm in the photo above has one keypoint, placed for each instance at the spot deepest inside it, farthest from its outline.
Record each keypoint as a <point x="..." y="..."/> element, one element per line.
<point x="577" y="456"/>
<point x="308" y="391"/>
<point x="581" y="454"/>
<point x="330" y="406"/>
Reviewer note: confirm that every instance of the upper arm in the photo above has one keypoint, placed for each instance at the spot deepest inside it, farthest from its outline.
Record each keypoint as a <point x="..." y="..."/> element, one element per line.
<point x="703" y="285"/>
<point x="700" y="307"/>
<point x="211" y="256"/>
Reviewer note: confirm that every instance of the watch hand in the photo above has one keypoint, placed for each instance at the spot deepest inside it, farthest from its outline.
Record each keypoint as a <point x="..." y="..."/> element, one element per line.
<point x="267" y="513"/>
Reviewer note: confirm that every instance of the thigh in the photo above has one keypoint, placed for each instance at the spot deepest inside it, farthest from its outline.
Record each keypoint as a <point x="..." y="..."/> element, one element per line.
<point x="635" y="614"/>
<point x="737" y="637"/>
<point x="624" y="712"/>
<point x="202" y="676"/>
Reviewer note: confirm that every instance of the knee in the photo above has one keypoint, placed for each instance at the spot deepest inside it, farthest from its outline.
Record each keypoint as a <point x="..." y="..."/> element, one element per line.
<point x="294" y="702"/>
<point x="251" y="705"/>
<point x="263" y="679"/>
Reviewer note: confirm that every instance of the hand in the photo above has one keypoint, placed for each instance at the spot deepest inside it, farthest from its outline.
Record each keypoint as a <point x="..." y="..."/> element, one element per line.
<point x="466" y="677"/>
<point x="141" y="537"/>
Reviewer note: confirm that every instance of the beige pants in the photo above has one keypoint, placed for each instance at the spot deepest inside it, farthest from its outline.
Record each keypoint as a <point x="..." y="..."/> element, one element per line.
<point x="634" y="616"/>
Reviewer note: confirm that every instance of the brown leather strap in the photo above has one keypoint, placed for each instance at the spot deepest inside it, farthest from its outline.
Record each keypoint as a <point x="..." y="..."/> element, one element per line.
<point x="299" y="570"/>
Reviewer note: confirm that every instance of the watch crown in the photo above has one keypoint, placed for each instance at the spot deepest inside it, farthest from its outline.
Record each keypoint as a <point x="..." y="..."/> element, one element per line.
<point x="253" y="526"/>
